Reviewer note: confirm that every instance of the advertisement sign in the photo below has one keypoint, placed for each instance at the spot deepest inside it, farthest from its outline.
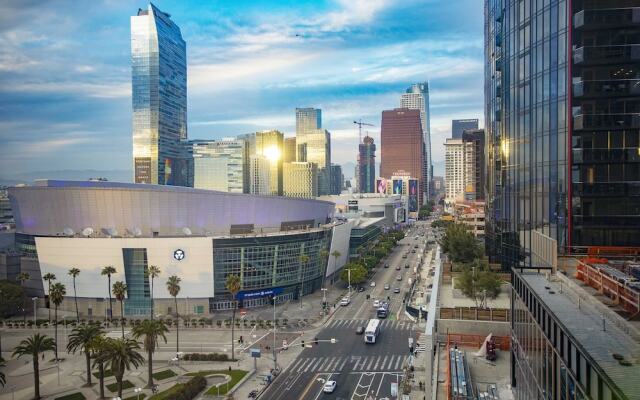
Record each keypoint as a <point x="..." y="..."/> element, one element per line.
<point x="400" y="215"/>
<point x="254" y="294"/>
<point x="381" y="185"/>
<point x="413" y="195"/>
<point x="397" y="186"/>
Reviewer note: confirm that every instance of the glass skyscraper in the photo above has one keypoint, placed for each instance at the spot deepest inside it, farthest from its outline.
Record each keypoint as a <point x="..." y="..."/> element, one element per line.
<point x="220" y="165"/>
<point x="416" y="97"/>
<point x="366" y="165"/>
<point x="159" y="94"/>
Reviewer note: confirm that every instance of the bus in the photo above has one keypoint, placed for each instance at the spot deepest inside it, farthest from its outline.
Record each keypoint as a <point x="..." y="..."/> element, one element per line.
<point x="383" y="310"/>
<point x="371" y="331"/>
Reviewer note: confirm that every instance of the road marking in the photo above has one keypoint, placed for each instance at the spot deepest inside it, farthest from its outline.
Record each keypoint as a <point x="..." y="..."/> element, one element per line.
<point x="370" y="363"/>
<point x="384" y="361"/>
<point x="309" y="366"/>
<point x="331" y="367"/>
<point x="296" y="362"/>
<point x="322" y="387"/>
<point x="398" y="362"/>
<point x="301" y="366"/>
<point x="342" y="365"/>
<point x="380" y="384"/>
<point x="316" y="364"/>
<point x="377" y="362"/>
<point x="324" y="361"/>
<point x="391" y="361"/>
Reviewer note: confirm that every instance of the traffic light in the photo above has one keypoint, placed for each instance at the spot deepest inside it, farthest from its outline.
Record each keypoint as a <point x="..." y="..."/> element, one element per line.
<point x="315" y="341"/>
<point x="302" y="344"/>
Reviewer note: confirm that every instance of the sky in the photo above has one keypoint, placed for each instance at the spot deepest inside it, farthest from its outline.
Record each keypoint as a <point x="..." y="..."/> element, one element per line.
<point x="65" y="73"/>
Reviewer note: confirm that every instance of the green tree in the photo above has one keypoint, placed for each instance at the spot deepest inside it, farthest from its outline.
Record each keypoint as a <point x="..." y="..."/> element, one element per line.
<point x="11" y="298"/>
<point x="120" y="292"/>
<point x="56" y="295"/>
<point x="152" y="331"/>
<point x="97" y="346"/>
<point x="120" y="355"/>
<point x="324" y="258"/>
<point x="74" y="272"/>
<point x="34" y="346"/>
<point x="460" y="244"/>
<point x="479" y="283"/>
<point x="173" y="287"/>
<point x="49" y="277"/>
<point x="81" y="339"/>
<point x="336" y="254"/>
<point x="233" y="285"/>
<point x="22" y="278"/>
<point x="153" y="272"/>
<point x="358" y="273"/>
<point x="108" y="271"/>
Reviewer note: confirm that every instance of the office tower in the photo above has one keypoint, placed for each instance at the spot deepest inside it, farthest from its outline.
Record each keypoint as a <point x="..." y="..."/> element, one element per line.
<point x="317" y="150"/>
<point x="301" y="180"/>
<point x="307" y="120"/>
<point x="159" y="94"/>
<point x="337" y="179"/>
<point x="459" y="171"/>
<point x="260" y="175"/>
<point x="219" y="165"/>
<point x="270" y="144"/>
<point x="562" y="136"/>
<point x="476" y="139"/>
<point x="416" y="97"/>
<point x="366" y="171"/>
<point x="401" y="144"/>
<point x="289" y="149"/>
<point x="460" y="125"/>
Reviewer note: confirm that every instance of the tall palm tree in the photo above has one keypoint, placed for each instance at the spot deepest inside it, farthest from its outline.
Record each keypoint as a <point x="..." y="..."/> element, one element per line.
<point x="97" y="346"/>
<point x="120" y="292"/>
<point x="120" y="355"/>
<point x="74" y="272"/>
<point x="153" y="272"/>
<point x="56" y="295"/>
<point x="336" y="254"/>
<point x="22" y="278"/>
<point x="304" y="259"/>
<point x="173" y="287"/>
<point x="80" y="339"/>
<point x="152" y="332"/>
<point x="34" y="346"/>
<point x="233" y="285"/>
<point x="108" y="271"/>
<point x="324" y="257"/>
<point x="49" y="277"/>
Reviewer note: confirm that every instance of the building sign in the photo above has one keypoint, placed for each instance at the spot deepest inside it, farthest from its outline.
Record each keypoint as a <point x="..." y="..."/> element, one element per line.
<point x="381" y="185"/>
<point x="255" y="294"/>
<point x="413" y="195"/>
<point x="179" y="254"/>
<point x="397" y="186"/>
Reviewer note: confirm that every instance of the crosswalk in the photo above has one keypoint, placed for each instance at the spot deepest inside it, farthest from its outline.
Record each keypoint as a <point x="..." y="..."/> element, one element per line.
<point x="387" y="363"/>
<point x="385" y="324"/>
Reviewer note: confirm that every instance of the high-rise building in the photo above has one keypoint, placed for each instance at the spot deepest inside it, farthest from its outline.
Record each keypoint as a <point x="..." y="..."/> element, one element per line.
<point x="259" y="175"/>
<point x="402" y="144"/>
<point x="366" y="165"/>
<point x="317" y="150"/>
<point x="301" y="180"/>
<point x="220" y="165"/>
<point x="459" y="172"/>
<point x="460" y="125"/>
<point x="159" y="94"/>
<point x="270" y="145"/>
<point x="562" y="126"/>
<point x="307" y="120"/>
<point x="476" y="138"/>
<point x="337" y="179"/>
<point x="416" y="97"/>
<point x="289" y="149"/>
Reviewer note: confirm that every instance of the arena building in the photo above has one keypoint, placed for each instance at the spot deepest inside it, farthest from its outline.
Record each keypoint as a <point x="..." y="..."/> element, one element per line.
<point x="278" y="246"/>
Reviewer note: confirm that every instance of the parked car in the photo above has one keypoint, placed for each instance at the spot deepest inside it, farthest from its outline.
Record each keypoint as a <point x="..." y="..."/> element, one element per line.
<point x="345" y="301"/>
<point x="397" y="268"/>
<point x="396" y="290"/>
<point x="329" y="387"/>
<point x="372" y="284"/>
<point x="387" y="287"/>
<point x="360" y="330"/>
<point x="376" y="303"/>
<point x="404" y="256"/>
<point x="406" y="265"/>
<point x="386" y="265"/>
<point x="360" y="289"/>
<point x="399" y="277"/>
<point x="413" y="251"/>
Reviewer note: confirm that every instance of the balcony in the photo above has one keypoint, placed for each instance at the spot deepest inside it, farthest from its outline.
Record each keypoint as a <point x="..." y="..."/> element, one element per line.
<point x="606" y="88"/>
<point x="601" y="55"/>
<point x="607" y="18"/>
<point x="605" y="121"/>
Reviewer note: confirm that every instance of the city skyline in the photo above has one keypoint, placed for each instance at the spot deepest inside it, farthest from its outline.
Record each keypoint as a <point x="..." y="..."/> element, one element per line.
<point x="80" y="117"/>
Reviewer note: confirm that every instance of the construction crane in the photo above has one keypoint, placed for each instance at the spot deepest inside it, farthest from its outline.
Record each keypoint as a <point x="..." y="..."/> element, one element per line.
<point x="360" y="124"/>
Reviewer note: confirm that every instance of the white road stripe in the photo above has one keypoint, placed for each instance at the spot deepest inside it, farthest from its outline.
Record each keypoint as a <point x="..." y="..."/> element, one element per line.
<point x="370" y="363"/>
<point x="375" y="367"/>
<point x="309" y="366"/>
<point x="342" y="365"/>
<point x="390" y="367"/>
<point x="301" y="366"/>
<point x="324" y="361"/>
<point x="332" y="366"/>
<point x="384" y="361"/>
<point x="398" y="363"/>
<point x="295" y="363"/>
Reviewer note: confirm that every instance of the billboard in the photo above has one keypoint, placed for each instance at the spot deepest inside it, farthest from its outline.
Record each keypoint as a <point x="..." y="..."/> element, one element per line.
<point x="381" y="185"/>
<point x="397" y="186"/>
<point x="413" y="195"/>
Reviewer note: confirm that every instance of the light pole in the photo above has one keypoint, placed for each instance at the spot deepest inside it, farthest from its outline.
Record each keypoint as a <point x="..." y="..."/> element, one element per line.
<point x="137" y="391"/>
<point x="275" y="354"/>
<point x="349" y="278"/>
<point x="34" y="299"/>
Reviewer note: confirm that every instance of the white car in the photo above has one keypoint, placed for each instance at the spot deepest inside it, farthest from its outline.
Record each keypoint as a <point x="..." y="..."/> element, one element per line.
<point x="376" y="303"/>
<point x="373" y="284"/>
<point x="345" y="301"/>
<point x="329" y="387"/>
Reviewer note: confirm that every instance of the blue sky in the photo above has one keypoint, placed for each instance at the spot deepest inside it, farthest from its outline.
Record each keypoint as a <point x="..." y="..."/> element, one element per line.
<point x="65" y="91"/>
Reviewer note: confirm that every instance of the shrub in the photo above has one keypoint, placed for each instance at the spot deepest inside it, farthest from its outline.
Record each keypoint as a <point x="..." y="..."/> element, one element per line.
<point x="205" y="357"/>
<point x="183" y="391"/>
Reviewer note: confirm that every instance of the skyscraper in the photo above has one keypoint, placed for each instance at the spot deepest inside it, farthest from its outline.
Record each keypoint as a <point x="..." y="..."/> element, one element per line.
<point x="219" y="165"/>
<point x="366" y="165"/>
<point x="300" y="180"/>
<point x="259" y="175"/>
<point x="159" y="94"/>
<point x="417" y="98"/>
<point x="476" y="139"/>
<point x="460" y="125"/>
<point x="289" y="149"/>
<point x="314" y="145"/>
<point x="270" y="145"/>
<point x="458" y="168"/>
<point x="307" y="119"/>
<point x="402" y="144"/>
<point x="337" y="179"/>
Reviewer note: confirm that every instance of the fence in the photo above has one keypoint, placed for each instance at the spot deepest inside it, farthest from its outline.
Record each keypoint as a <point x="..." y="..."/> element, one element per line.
<point x="475" y="314"/>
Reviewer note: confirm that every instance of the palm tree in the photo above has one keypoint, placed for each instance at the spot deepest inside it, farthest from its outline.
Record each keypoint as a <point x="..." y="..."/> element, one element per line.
<point x="97" y="346"/>
<point x="304" y="259"/>
<point x="49" y="277"/>
<point x="74" y="272"/>
<point x="120" y="291"/>
<point x="324" y="256"/>
<point x="336" y="254"/>
<point x="152" y="331"/>
<point x="173" y="286"/>
<point x="233" y="285"/>
<point x="108" y="271"/>
<point x="153" y="272"/>
<point x="80" y="339"/>
<point x="56" y="295"/>
<point x="33" y="346"/>
<point x="22" y="278"/>
<point x="120" y="355"/>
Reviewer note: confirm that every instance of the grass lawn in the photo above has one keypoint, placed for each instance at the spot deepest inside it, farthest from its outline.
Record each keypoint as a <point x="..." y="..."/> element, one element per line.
<point x="142" y="396"/>
<point x="236" y="376"/>
<point x="72" y="396"/>
<point x="113" y="387"/>
<point x="107" y="373"/>
<point x="167" y="373"/>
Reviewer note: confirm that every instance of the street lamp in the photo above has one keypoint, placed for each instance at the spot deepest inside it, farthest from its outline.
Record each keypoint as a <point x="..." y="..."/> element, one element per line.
<point x="138" y="391"/>
<point x="34" y="299"/>
<point x="349" y="278"/>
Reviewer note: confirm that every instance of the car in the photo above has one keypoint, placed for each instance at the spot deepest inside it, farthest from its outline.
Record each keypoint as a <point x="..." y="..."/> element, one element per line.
<point x="373" y="284"/>
<point x="413" y="251"/>
<point x="345" y="301"/>
<point x="360" y="289"/>
<point x="396" y="290"/>
<point x="360" y="330"/>
<point x="397" y="268"/>
<point x="376" y="303"/>
<point x="386" y="265"/>
<point x="404" y="256"/>
<point x="406" y="265"/>
<point x="399" y="277"/>
<point x="415" y="247"/>
<point x="329" y="386"/>
<point x="387" y="287"/>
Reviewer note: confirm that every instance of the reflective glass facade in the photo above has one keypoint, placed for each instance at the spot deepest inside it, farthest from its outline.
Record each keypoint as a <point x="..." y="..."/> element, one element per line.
<point x="220" y="165"/>
<point x="159" y="94"/>
<point x="138" y="300"/>
<point x="416" y="97"/>
<point x="366" y="165"/>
